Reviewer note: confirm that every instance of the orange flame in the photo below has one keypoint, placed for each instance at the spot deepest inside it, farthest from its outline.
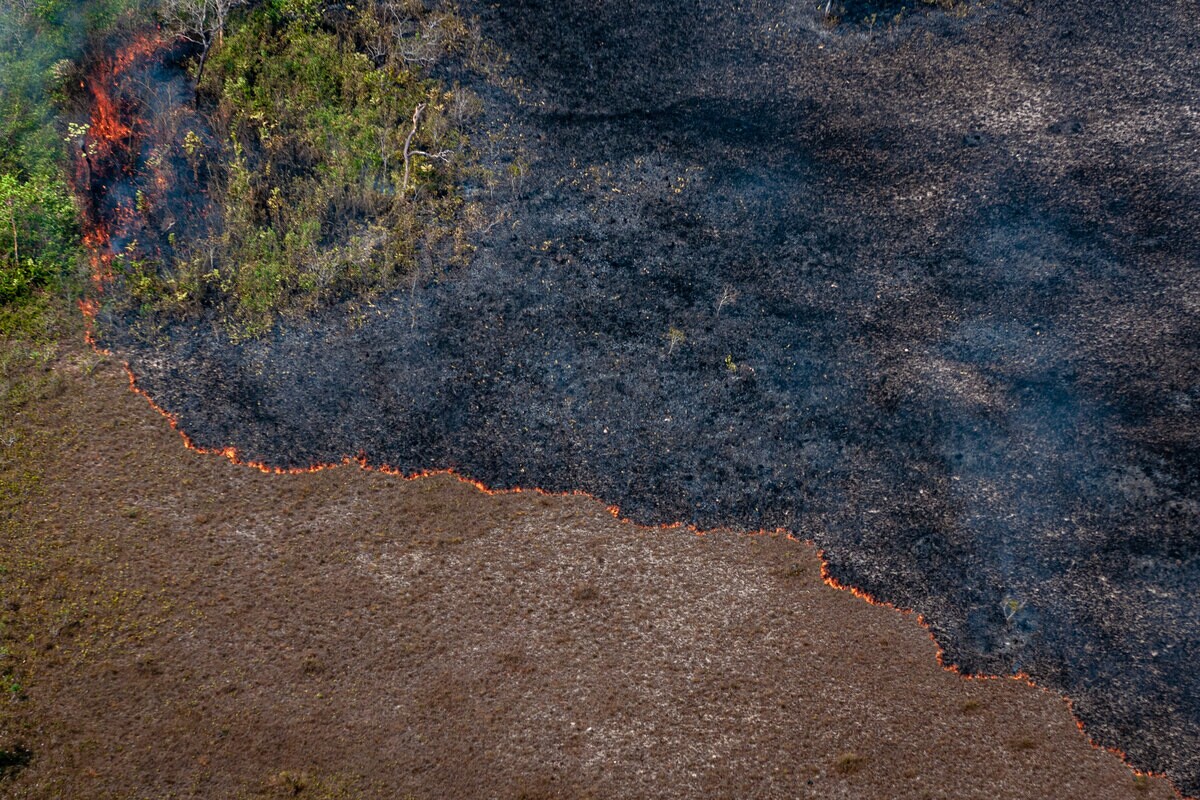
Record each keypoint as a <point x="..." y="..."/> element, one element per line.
<point x="231" y="454"/>
<point x="109" y="134"/>
<point x="107" y="129"/>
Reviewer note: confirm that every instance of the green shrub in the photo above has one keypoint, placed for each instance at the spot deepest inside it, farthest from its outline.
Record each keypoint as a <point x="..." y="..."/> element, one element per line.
<point x="39" y="232"/>
<point x="315" y="202"/>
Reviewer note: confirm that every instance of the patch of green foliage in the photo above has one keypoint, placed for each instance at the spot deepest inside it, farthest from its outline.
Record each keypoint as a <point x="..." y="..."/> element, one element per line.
<point x="327" y="178"/>
<point x="39" y="233"/>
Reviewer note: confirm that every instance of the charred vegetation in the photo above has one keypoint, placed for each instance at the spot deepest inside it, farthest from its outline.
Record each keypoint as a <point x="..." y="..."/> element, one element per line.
<point x="293" y="156"/>
<point x="961" y="355"/>
<point x="927" y="298"/>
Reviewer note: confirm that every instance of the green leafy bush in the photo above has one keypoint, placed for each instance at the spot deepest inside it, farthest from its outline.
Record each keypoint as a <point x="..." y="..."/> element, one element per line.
<point x="40" y="234"/>
<point x="337" y="160"/>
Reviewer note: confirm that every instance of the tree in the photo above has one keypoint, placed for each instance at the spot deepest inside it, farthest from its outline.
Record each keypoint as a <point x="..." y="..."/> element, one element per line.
<point x="39" y="233"/>
<point x="201" y="22"/>
<point x="441" y="155"/>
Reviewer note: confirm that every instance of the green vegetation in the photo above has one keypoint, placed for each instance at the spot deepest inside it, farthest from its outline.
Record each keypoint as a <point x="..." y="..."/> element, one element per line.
<point x="336" y="160"/>
<point x="330" y="160"/>
<point x="39" y="234"/>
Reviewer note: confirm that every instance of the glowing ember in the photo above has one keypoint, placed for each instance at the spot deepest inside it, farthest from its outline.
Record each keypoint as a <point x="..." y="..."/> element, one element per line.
<point x="111" y="147"/>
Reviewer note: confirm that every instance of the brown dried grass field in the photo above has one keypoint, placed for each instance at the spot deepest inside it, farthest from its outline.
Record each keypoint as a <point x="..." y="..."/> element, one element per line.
<point x="178" y="626"/>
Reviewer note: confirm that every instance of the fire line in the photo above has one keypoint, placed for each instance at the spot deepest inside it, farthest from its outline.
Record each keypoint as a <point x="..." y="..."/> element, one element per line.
<point x="113" y="139"/>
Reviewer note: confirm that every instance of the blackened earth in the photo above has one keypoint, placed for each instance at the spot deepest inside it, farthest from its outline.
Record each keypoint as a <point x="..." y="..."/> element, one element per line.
<point x="928" y="294"/>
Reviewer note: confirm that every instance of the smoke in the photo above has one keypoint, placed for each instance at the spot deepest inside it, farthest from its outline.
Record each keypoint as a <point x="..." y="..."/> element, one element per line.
<point x="41" y="42"/>
<point x="141" y="154"/>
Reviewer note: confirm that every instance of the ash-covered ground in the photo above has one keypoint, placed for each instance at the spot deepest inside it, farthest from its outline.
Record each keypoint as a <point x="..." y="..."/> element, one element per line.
<point x="927" y="293"/>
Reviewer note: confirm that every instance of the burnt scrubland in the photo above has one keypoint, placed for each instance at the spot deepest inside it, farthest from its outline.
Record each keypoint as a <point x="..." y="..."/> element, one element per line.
<point x="175" y="626"/>
<point x="915" y="281"/>
<point x="294" y="156"/>
<point x="241" y="160"/>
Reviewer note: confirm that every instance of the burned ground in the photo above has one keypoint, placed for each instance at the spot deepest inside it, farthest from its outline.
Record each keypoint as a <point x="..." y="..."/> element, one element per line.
<point x="927" y="295"/>
<point x="180" y="627"/>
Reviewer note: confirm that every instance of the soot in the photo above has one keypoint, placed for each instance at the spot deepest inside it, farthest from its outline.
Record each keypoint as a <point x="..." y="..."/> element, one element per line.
<point x="929" y="300"/>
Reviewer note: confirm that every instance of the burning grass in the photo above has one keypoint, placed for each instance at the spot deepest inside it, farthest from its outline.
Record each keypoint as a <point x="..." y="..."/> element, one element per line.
<point x="316" y="162"/>
<point x="348" y="634"/>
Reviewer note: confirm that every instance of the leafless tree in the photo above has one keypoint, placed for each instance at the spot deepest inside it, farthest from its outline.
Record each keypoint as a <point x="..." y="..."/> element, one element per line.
<point x="199" y="21"/>
<point x="440" y="155"/>
<point x="428" y="42"/>
<point x="729" y="296"/>
<point x="418" y="36"/>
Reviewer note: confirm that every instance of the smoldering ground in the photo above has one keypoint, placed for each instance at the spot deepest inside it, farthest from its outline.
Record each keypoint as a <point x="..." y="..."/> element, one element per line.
<point x="925" y="292"/>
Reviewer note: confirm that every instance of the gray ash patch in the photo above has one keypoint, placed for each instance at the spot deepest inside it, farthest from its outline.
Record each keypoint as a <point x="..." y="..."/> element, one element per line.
<point x="880" y="13"/>
<point x="933" y="302"/>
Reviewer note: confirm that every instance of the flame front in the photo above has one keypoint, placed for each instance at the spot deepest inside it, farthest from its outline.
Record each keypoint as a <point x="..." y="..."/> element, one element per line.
<point x="110" y="148"/>
<point x="113" y="148"/>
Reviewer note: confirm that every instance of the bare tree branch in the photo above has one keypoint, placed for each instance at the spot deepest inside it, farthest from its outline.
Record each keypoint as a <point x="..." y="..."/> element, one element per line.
<point x="201" y="22"/>
<point x="416" y="120"/>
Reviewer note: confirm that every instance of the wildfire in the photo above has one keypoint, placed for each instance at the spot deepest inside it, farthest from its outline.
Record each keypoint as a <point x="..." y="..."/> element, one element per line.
<point x="97" y="242"/>
<point x="111" y="145"/>
<point x="114" y="139"/>
<point x="107" y="129"/>
<point x="110" y="129"/>
<point x="231" y="454"/>
<point x="1022" y="676"/>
